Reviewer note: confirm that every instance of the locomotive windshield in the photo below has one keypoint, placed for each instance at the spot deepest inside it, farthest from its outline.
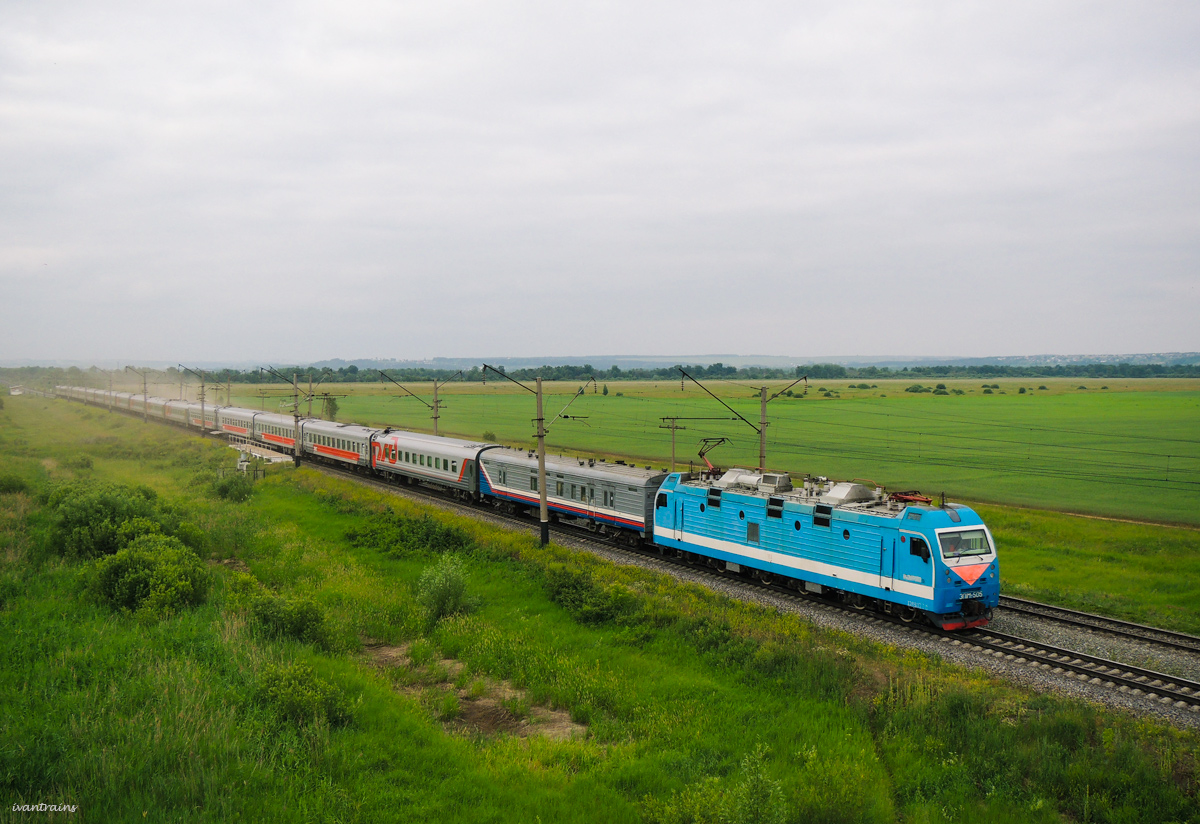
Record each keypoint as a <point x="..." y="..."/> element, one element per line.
<point x="962" y="544"/>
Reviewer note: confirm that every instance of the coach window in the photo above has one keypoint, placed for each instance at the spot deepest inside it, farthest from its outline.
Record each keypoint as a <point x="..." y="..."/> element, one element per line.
<point x="454" y="466"/>
<point x="422" y="460"/>
<point x="558" y="488"/>
<point x="437" y="463"/>
<point x="533" y="483"/>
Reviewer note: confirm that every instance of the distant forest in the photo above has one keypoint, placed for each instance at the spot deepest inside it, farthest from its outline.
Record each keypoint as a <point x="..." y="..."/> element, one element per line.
<point x="47" y="376"/>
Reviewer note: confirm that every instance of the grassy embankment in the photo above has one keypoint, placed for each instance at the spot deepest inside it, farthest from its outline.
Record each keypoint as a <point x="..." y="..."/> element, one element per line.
<point x="1129" y="451"/>
<point x="692" y="705"/>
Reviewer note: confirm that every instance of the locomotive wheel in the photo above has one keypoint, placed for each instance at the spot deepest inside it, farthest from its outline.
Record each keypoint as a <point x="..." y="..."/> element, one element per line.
<point x="907" y="614"/>
<point x="766" y="577"/>
<point x="858" y="602"/>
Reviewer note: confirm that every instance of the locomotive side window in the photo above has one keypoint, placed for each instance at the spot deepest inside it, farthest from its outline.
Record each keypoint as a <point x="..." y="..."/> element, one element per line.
<point x="752" y="533"/>
<point x="918" y="547"/>
<point x="660" y="501"/>
<point x="822" y="515"/>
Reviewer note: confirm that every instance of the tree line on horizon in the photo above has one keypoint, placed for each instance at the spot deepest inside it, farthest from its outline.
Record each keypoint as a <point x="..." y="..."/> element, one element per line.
<point x="50" y="376"/>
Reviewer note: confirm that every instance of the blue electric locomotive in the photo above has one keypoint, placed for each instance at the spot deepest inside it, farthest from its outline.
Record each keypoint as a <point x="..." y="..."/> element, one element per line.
<point x="890" y="552"/>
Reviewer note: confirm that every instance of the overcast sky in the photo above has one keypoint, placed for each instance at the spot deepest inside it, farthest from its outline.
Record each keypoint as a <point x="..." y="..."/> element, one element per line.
<point x="297" y="181"/>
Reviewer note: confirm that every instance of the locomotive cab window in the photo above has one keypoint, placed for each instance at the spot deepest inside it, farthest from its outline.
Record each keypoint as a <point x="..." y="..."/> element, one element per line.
<point x="960" y="544"/>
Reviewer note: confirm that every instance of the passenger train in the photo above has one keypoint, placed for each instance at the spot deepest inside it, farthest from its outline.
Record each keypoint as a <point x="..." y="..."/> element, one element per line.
<point x="899" y="553"/>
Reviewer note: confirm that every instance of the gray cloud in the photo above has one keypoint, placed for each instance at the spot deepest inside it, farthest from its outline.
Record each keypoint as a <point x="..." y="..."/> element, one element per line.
<point x="299" y="181"/>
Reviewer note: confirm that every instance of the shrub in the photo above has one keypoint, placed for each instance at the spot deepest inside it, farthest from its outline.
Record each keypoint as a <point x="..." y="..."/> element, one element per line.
<point x="1083" y="387"/>
<point x="295" y="694"/>
<point x="299" y="618"/>
<point x="940" y="392"/>
<point x="578" y="593"/>
<point x="11" y="484"/>
<point x="236" y="487"/>
<point x="489" y="435"/>
<point x="442" y="589"/>
<point x="940" y="386"/>
<point x="155" y="575"/>
<point x="988" y="392"/>
<point x="1042" y="387"/>
<point x="1021" y="391"/>
<point x="398" y="535"/>
<point x="86" y="517"/>
<point x="78" y="462"/>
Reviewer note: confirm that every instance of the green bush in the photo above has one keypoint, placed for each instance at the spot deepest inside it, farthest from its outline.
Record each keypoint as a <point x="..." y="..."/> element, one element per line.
<point x="78" y="462"/>
<point x="442" y="589"/>
<point x="155" y="575"/>
<point x="398" y="535"/>
<point x="490" y="436"/>
<point x="11" y="484"/>
<point x="987" y="392"/>
<point x="295" y="694"/>
<point x="299" y="618"/>
<point x="86" y="517"/>
<point x="236" y="487"/>
<point x="578" y="593"/>
<point x="940" y="386"/>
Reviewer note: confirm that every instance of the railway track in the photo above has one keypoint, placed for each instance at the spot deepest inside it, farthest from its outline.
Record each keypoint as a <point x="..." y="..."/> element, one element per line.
<point x="1166" y="689"/>
<point x="1099" y="623"/>
<point x="1138" y="682"/>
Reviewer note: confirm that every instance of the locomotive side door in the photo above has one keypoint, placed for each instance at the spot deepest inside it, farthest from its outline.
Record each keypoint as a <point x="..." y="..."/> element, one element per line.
<point x="887" y="558"/>
<point x="677" y="527"/>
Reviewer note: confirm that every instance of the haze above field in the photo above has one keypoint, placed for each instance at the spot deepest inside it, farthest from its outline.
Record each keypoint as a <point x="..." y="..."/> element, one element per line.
<point x="290" y="183"/>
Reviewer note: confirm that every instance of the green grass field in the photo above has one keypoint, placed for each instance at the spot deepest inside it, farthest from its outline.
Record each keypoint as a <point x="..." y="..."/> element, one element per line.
<point x="692" y="707"/>
<point x="1131" y="450"/>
